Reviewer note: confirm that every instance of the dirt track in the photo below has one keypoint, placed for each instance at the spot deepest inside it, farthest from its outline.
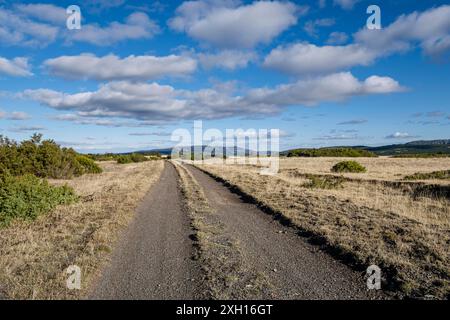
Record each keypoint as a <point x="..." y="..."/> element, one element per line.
<point x="153" y="258"/>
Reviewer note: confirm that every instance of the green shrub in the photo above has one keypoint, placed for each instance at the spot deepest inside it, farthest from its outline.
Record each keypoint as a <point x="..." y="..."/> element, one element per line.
<point x="439" y="175"/>
<point x="124" y="159"/>
<point x="26" y="197"/>
<point x="325" y="182"/>
<point x="44" y="159"/>
<point x="348" y="166"/>
<point x="89" y="166"/>
<point x="130" y="158"/>
<point x="331" y="152"/>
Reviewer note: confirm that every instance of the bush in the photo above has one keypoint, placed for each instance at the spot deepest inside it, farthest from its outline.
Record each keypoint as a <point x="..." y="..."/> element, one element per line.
<point x="331" y="152"/>
<point x="329" y="182"/>
<point x="130" y="158"/>
<point x="348" y="166"/>
<point x="27" y="197"/>
<point x="89" y="166"/>
<point x="438" y="175"/>
<point x="44" y="159"/>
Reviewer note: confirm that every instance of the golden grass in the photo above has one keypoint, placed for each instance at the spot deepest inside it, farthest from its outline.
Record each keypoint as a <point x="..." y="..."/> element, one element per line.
<point x="366" y="221"/>
<point x="34" y="255"/>
<point x="381" y="168"/>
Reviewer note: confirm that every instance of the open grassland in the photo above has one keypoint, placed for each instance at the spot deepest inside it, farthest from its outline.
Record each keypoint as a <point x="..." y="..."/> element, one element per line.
<point x="363" y="218"/>
<point x="35" y="254"/>
<point x="382" y="168"/>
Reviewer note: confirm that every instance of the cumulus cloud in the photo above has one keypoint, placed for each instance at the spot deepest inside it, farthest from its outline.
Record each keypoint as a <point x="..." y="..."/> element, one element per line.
<point x="17" y="29"/>
<point x="155" y="102"/>
<point x="227" y="23"/>
<point x="17" y="67"/>
<point x="305" y="58"/>
<point x="38" y="25"/>
<point x="43" y="12"/>
<point x="429" y="29"/>
<point x="227" y="59"/>
<point x="400" y="135"/>
<point x="112" y="67"/>
<point x="137" y="26"/>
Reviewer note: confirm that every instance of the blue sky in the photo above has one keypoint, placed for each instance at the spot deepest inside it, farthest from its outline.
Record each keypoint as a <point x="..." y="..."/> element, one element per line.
<point x="136" y="71"/>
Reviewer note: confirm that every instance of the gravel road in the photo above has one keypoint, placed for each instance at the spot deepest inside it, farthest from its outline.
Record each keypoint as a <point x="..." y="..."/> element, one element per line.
<point x="295" y="268"/>
<point x="153" y="258"/>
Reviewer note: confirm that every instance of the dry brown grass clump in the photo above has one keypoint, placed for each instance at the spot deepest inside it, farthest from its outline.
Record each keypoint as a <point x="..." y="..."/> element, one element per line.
<point x="226" y="274"/>
<point x="361" y="222"/>
<point x="35" y="255"/>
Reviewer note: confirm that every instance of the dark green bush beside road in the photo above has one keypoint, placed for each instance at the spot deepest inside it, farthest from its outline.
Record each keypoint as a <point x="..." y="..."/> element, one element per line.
<point x="27" y="196"/>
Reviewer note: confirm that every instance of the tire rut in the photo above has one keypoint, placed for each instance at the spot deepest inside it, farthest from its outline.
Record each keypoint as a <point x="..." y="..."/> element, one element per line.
<point x="153" y="258"/>
<point x="295" y="268"/>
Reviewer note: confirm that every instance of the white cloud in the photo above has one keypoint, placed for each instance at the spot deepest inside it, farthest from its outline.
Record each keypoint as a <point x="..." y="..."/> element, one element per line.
<point x="228" y="24"/>
<point x="18" y="116"/>
<point x="400" y="135"/>
<point x="330" y="88"/>
<point x="44" y="12"/>
<point x="137" y="26"/>
<point x="337" y="38"/>
<point x="155" y="102"/>
<point x="16" y="29"/>
<point x="17" y="67"/>
<point x="345" y="4"/>
<point x="112" y="67"/>
<point x="305" y="58"/>
<point x="312" y="25"/>
<point x="38" y="25"/>
<point x="430" y="29"/>
<point x="339" y="136"/>
<point x="227" y="59"/>
<point x="2" y="114"/>
<point x="26" y="129"/>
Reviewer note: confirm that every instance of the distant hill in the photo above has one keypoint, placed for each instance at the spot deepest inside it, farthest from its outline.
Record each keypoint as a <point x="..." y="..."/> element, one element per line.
<point x="218" y="152"/>
<point x="409" y="148"/>
<point x="413" y="147"/>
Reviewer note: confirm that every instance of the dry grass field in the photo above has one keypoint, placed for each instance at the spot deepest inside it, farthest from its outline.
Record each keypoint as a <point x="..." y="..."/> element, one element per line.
<point x="34" y="255"/>
<point x="381" y="168"/>
<point x="363" y="218"/>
